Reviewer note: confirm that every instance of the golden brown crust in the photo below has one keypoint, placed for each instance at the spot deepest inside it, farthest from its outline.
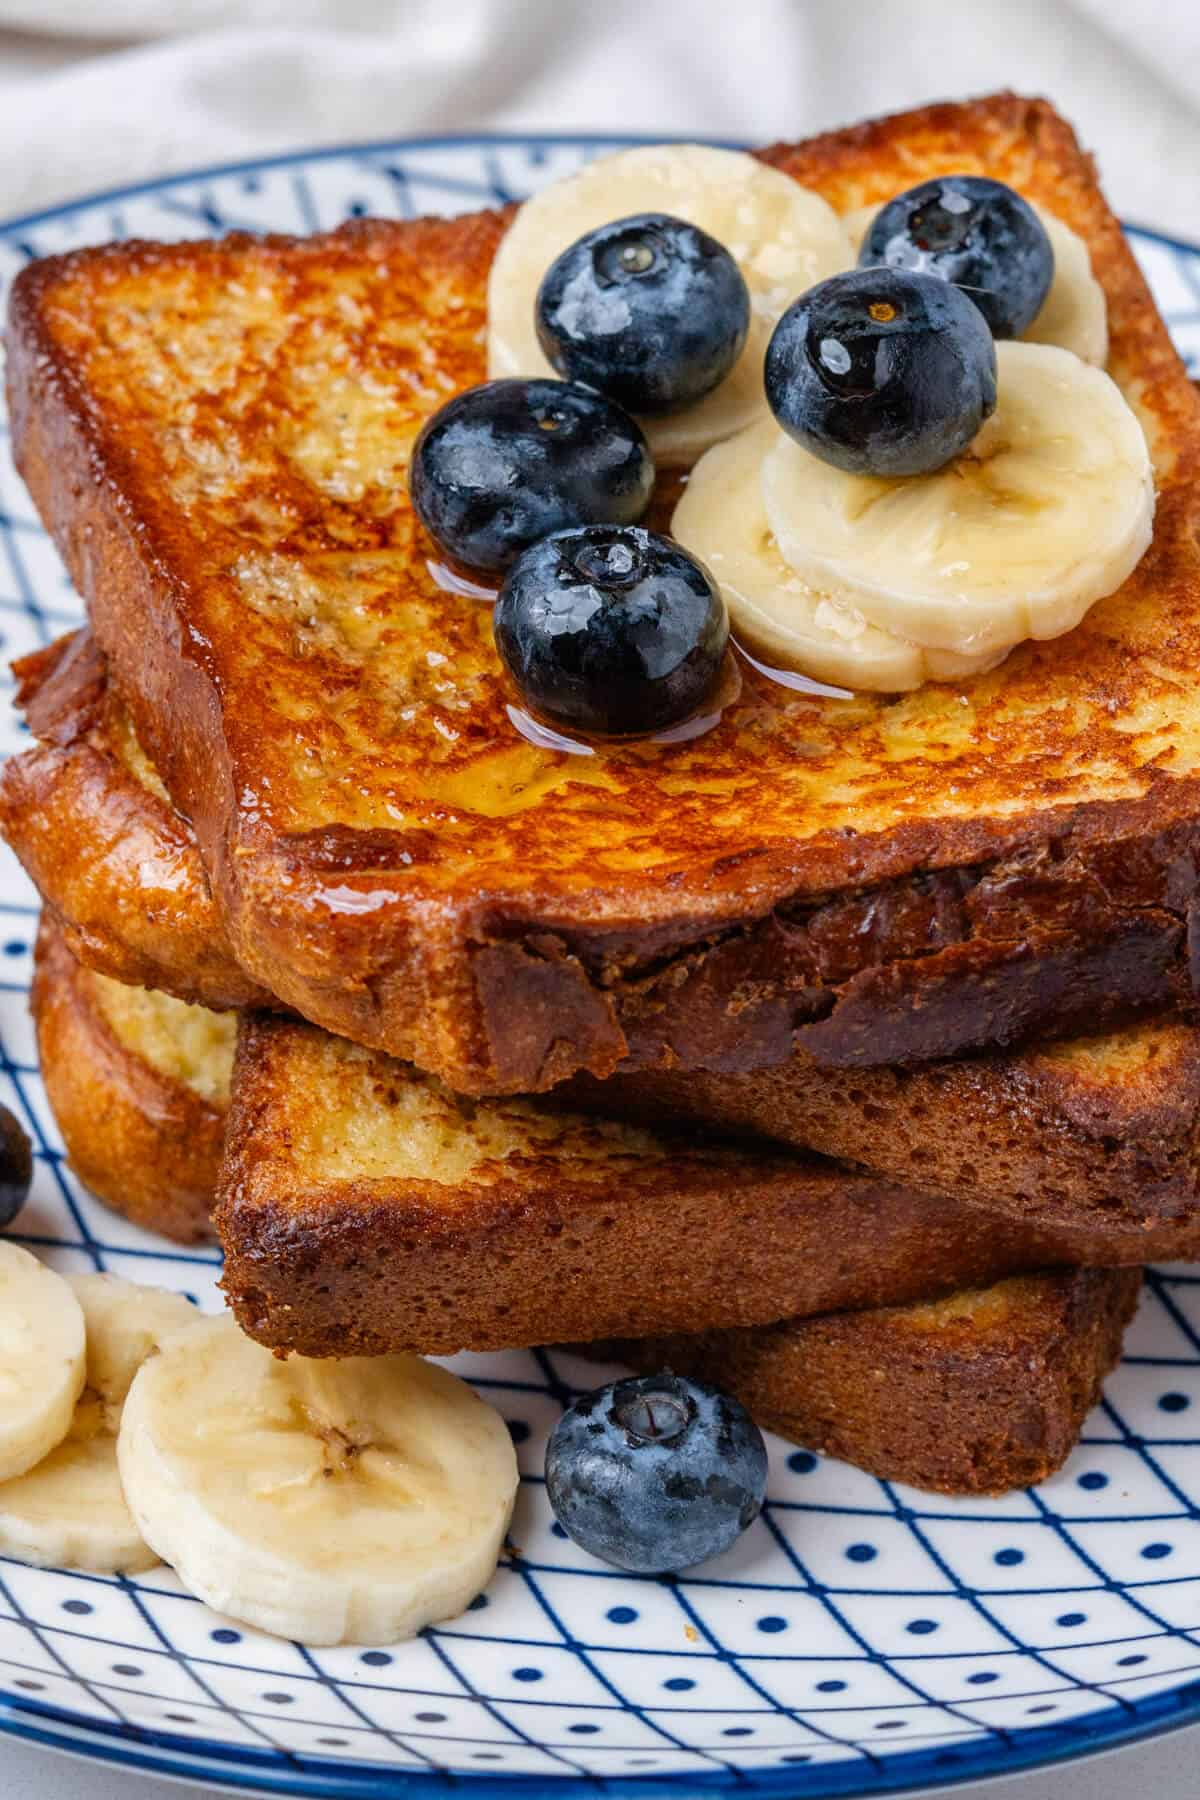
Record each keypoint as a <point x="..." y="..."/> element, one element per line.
<point x="115" y="864"/>
<point x="143" y="1142"/>
<point x="986" y="1394"/>
<point x="561" y="1236"/>
<point x="1100" y="1133"/>
<point x="1098" y="1137"/>
<point x="120" y="870"/>
<point x="516" y="923"/>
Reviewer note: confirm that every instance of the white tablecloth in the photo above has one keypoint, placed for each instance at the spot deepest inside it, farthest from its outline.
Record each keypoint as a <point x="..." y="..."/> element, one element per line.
<point x="98" y="92"/>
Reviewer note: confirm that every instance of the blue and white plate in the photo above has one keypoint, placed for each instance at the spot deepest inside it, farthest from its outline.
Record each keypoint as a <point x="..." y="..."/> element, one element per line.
<point x="862" y="1639"/>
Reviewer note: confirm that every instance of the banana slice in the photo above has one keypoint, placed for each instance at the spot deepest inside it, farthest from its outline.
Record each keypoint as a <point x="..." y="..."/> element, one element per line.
<point x="330" y="1502"/>
<point x="1049" y="510"/>
<point x="41" y="1360"/>
<point x="722" y="519"/>
<point x="69" y="1511"/>
<point x="783" y="236"/>
<point x="1074" y="313"/>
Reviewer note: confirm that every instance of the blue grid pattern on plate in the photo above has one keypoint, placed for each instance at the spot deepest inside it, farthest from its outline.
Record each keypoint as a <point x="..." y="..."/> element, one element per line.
<point x="862" y="1638"/>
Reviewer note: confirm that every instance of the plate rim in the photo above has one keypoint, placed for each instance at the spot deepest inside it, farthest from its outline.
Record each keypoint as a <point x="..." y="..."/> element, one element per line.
<point x="238" y="1770"/>
<point x="326" y="152"/>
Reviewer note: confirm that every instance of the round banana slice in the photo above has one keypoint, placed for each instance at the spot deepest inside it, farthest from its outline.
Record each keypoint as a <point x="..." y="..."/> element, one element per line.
<point x="41" y="1360"/>
<point x="330" y="1502"/>
<point x="70" y="1511"/>
<point x="722" y="519"/>
<point x="1049" y="510"/>
<point x="1074" y="314"/>
<point x="783" y="237"/>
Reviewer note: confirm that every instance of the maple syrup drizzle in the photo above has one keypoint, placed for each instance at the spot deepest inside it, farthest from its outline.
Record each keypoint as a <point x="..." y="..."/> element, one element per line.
<point x="451" y="582"/>
<point x="790" y="679"/>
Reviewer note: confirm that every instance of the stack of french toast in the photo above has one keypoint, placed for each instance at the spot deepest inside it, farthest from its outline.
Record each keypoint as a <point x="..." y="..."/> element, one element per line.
<point x="838" y="1053"/>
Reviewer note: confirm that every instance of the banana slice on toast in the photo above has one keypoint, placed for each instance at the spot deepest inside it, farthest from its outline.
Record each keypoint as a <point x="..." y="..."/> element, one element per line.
<point x="1048" y="511"/>
<point x="779" y="616"/>
<point x="782" y="236"/>
<point x="1074" y="314"/>
<point x="882" y="585"/>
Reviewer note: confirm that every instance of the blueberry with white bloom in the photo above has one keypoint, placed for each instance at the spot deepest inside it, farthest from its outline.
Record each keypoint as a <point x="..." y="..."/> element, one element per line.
<point x="656" y="1473"/>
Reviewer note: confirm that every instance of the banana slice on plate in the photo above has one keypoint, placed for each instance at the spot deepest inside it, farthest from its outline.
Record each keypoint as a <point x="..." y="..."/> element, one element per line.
<point x="782" y="236"/>
<point x="41" y="1360"/>
<point x="1074" y="314"/>
<point x="1049" y="510"/>
<point x="330" y="1502"/>
<point x="69" y="1511"/>
<point x="722" y="519"/>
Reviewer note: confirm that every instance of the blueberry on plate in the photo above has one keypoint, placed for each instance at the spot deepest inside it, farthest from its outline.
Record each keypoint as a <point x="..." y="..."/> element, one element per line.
<point x="882" y="372"/>
<point x="611" y="632"/>
<point x="503" y="464"/>
<point x="978" y="234"/>
<point x="649" y="309"/>
<point x="656" y="1473"/>
<point x="16" y="1167"/>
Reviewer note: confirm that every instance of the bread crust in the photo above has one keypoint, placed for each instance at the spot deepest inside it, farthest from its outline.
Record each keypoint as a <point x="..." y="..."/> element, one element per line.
<point x="121" y="870"/>
<point x="147" y="1144"/>
<point x="548" y="949"/>
<point x="115" y="864"/>
<point x="330" y="1260"/>
<point x="144" y="1143"/>
<point x="1098" y="1137"/>
<point x="985" y="1394"/>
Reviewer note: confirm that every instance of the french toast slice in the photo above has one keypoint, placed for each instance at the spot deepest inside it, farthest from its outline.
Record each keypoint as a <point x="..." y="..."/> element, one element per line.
<point x="139" y="1085"/>
<point x="216" y="434"/>
<point x="1100" y="1134"/>
<point x="364" y="1208"/>
<point x="980" y="1391"/>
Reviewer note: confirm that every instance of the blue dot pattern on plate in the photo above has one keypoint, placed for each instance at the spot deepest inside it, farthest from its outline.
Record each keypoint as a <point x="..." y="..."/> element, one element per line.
<point x="864" y="1637"/>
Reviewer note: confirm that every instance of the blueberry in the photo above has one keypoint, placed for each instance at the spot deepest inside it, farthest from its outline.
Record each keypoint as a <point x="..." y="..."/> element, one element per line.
<point x="648" y="309"/>
<point x="656" y="1473"/>
<point x="882" y="372"/>
<point x="976" y="233"/>
<point x="506" y="463"/>
<point x="611" y="632"/>
<point x="16" y="1167"/>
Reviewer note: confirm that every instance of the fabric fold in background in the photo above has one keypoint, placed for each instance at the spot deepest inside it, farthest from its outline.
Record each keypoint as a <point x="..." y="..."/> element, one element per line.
<point x="112" y="93"/>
